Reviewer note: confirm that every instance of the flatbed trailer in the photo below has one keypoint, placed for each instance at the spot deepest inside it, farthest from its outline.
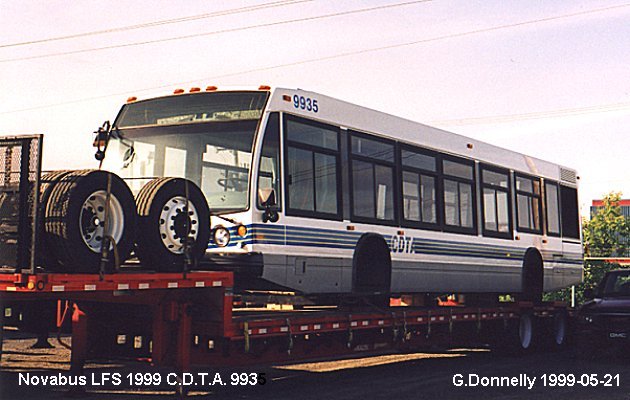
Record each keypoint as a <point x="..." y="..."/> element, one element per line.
<point x="184" y="320"/>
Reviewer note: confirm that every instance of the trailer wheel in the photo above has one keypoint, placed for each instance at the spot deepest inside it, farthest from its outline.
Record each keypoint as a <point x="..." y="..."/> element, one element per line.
<point x="166" y="226"/>
<point x="517" y="337"/>
<point x="75" y="219"/>
<point x="525" y="332"/>
<point x="559" y="331"/>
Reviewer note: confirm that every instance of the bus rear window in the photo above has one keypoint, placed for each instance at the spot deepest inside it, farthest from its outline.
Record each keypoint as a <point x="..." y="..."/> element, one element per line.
<point x="570" y="218"/>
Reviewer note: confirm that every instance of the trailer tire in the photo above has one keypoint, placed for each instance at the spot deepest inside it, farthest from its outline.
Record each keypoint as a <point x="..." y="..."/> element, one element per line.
<point x="559" y="331"/>
<point x="164" y="225"/>
<point x="74" y="219"/>
<point x="518" y="337"/>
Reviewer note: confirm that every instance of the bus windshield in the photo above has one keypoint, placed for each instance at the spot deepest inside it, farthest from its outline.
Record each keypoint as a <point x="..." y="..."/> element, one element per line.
<point x="206" y="138"/>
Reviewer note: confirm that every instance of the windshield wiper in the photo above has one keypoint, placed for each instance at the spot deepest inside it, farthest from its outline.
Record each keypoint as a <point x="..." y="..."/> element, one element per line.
<point x="230" y="220"/>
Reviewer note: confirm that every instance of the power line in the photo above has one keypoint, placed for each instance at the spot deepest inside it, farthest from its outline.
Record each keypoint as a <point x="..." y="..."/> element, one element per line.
<point x="230" y="30"/>
<point x="161" y="22"/>
<point x="326" y="58"/>
<point x="564" y="112"/>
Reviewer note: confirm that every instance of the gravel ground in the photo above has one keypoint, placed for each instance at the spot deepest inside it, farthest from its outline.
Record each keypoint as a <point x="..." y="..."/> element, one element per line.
<point x="392" y="376"/>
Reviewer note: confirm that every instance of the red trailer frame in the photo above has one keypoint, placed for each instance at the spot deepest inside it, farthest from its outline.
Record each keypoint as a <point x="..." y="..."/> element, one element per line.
<point x="182" y="320"/>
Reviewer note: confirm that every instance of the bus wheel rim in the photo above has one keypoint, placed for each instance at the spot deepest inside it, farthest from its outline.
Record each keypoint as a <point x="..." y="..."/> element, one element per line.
<point x="176" y="226"/>
<point x="92" y="220"/>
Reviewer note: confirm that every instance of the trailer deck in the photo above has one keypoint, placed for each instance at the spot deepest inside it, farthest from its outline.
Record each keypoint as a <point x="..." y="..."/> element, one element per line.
<point x="182" y="320"/>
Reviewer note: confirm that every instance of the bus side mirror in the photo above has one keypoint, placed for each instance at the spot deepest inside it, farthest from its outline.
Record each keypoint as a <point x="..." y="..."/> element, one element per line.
<point x="589" y="293"/>
<point x="101" y="137"/>
<point x="267" y="197"/>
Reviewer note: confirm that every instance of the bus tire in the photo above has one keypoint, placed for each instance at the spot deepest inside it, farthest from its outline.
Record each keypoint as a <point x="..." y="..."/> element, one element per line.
<point x="371" y="265"/>
<point x="165" y="225"/>
<point x="532" y="281"/>
<point x="75" y="214"/>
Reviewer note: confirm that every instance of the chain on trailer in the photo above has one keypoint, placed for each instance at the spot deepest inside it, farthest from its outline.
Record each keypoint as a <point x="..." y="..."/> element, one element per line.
<point x="101" y="140"/>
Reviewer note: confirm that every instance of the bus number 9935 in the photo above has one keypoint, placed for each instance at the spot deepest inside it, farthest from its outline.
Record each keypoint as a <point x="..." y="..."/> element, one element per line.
<point x="305" y="103"/>
<point x="401" y="244"/>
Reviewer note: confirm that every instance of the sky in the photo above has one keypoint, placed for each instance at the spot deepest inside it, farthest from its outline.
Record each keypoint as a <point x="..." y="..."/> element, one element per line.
<point x="550" y="79"/>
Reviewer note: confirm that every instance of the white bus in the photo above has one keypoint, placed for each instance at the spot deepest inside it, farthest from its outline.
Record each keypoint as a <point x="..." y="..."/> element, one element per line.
<point x="319" y="196"/>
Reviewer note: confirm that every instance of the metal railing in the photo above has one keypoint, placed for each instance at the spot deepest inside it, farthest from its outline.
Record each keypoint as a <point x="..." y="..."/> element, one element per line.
<point x="20" y="170"/>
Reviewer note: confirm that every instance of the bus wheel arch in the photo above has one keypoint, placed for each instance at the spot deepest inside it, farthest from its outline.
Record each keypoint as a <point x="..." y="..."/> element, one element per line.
<point x="532" y="276"/>
<point x="371" y="265"/>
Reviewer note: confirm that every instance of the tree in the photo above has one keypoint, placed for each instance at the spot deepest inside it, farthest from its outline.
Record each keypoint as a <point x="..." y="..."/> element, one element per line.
<point x="604" y="236"/>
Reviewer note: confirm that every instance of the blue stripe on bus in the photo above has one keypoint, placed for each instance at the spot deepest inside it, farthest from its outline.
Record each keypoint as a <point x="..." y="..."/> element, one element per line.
<point x="284" y="235"/>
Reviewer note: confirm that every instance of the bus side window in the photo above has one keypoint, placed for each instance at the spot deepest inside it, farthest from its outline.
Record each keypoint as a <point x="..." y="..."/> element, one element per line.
<point x="269" y="168"/>
<point x="553" y="208"/>
<point x="528" y="204"/>
<point x="372" y="166"/>
<point x="312" y="173"/>
<point x="458" y="188"/>
<point x="495" y="189"/>
<point x="419" y="187"/>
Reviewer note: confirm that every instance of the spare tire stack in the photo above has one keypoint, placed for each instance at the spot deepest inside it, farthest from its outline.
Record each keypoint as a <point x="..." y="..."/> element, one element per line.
<point x="82" y="212"/>
<point x="77" y="219"/>
<point x="47" y="255"/>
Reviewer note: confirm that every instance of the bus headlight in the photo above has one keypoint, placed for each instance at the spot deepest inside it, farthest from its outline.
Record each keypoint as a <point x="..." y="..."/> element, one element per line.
<point x="221" y="236"/>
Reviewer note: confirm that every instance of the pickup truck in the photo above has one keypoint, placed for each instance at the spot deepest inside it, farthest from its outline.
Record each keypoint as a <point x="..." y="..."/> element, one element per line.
<point x="604" y="320"/>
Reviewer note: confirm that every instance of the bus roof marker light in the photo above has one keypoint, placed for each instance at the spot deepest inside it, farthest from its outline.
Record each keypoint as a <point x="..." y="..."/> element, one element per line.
<point x="264" y="87"/>
<point x="211" y="88"/>
<point x="195" y="90"/>
<point x="178" y="91"/>
<point x="131" y="99"/>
